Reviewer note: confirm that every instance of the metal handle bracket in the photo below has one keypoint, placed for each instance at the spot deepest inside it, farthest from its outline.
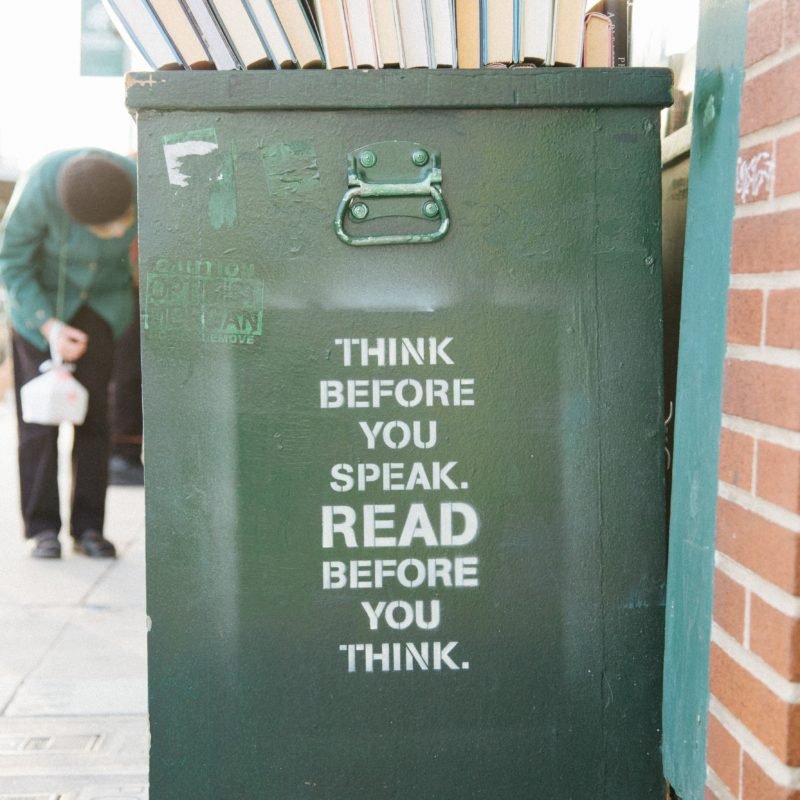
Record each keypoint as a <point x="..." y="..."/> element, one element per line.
<point x="391" y="173"/>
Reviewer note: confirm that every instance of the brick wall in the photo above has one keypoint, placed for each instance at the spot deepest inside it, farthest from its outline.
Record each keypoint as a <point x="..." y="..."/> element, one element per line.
<point x="754" y="712"/>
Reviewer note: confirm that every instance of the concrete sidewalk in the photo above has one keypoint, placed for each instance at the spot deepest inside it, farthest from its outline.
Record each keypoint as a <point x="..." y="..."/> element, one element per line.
<point x="73" y="643"/>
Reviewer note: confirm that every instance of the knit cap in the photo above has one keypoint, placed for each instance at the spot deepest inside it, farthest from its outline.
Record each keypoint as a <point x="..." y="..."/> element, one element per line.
<point x="93" y="189"/>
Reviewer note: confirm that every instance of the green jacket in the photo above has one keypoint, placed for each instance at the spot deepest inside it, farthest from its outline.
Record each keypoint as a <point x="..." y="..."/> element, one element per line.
<point x="39" y="243"/>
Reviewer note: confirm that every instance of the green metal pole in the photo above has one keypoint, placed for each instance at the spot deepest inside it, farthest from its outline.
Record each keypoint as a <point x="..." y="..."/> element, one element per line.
<point x="715" y="142"/>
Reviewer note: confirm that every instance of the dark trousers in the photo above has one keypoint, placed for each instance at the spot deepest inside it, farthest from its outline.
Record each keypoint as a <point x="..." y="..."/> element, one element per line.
<point x="126" y="393"/>
<point x="38" y="444"/>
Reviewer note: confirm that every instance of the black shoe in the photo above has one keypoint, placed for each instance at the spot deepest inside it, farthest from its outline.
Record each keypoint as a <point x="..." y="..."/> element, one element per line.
<point x="46" y="545"/>
<point x="125" y="471"/>
<point x="91" y="543"/>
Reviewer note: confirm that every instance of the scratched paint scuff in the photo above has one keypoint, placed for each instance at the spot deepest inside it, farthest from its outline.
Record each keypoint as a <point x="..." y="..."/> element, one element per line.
<point x="291" y="168"/>
<point x="222" y="208"/>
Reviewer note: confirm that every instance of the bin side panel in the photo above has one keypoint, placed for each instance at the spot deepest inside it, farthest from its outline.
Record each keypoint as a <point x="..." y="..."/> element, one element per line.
<point x="403" y="503"/>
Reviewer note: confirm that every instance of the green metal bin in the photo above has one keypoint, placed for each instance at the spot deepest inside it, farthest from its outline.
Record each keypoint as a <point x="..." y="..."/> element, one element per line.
<point x="403" y="427"/>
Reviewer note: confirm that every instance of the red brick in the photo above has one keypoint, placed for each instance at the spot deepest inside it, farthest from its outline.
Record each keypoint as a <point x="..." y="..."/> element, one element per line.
<point x="745" y="308"/>
<point x="791" y="21"/>
<point x="736" y="458"/>
<point x="767" y="243"/>
<point x="760" y="545"/>
<point x="778" y="476"/>
<point x="723" y="754"/>
<point x="764" y="31"/>
<point x="763" y="393"/>
<point x="772" y="720"/>
<point x="776" y="638"/>
<point x="783" y="318"/>
<point x="771" y="97"/>
<point x="757" y="785"/>
<point x="787" y="164"/>
<point x="729" y="603"/>
<point x="755" y="173"/>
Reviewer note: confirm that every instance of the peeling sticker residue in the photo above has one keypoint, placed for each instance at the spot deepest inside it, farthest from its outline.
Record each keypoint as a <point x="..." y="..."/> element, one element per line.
<point x="291" y="168"/>
<point x="195" y="159"/>
<point x="178" y="146"/>
<point x="754" y="176"/>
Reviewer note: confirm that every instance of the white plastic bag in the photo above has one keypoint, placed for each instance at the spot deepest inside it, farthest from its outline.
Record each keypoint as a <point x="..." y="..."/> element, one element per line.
<point x="55" y="396"/>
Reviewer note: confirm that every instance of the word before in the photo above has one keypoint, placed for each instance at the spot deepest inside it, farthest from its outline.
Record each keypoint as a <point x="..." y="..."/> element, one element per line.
<point x="401" y="656"/>
<point x="410" y="573"/>
<point x="407" y="393"/>
<point x="376" y="520"/>
<point x="391" y="352"/>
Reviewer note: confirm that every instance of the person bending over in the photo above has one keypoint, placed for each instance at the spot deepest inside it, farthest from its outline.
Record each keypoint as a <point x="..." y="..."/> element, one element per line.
<point x="64" y="245"/>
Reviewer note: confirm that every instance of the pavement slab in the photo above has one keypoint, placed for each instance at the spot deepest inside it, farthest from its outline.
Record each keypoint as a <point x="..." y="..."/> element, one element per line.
<point x="73" y="652"/>
<point x="69" y="756"/>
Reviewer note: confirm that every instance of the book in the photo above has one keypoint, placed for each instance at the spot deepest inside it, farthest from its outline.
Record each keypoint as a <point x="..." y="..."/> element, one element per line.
<point x="386" y="31"/>
<point x="567" y="48"/>
<point x="498" y="28"/>
<point x="241" y="33"/>
<point x="207" y="27"/>
<point x="618" y="12"/>
<point x="414" y="33"/>
<point x="273" y="37"/>
<point x="142" y="32"/>
<point x="295" y="18"/>
<point x="361" y="35"/>
<point x="443" y="29"/>
<point x="535" y="31"/>
<point x="468" y="34"/>
<point x="330" y="18"/>
<point x="178" y="25"/>
<point x="598" y="40"/>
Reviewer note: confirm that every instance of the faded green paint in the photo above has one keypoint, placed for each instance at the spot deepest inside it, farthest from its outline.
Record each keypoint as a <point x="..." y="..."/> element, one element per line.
<point x="333" y="90"/>
<point x="541" y="675"/>
<point x="222" y="210"/>
<point x="706" y="271"/>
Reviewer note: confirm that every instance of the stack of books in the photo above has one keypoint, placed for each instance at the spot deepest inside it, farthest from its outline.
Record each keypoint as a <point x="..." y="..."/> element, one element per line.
<point x="373" y="34"/>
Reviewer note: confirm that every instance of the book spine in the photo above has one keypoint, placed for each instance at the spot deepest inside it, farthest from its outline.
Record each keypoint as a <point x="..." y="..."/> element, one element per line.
<point x="468" y="39"/>
<point x="551" y="45"/>
<point x="427" y="15"/>
<point x="311" y="18"/>
<point x="517" y="31"/>
<point x="154" y="14"/>
<point x="211" y="35"/>
<point x="291" y="59"/>
<point x="361" y="34"/>
<point x="453" y="34"/>
<point x="617" y="11"/>
<point x="226" y="34"/>
<point x="484" y="31"/>
<point x="265" y="43"/>
<point x="129" y="33"/>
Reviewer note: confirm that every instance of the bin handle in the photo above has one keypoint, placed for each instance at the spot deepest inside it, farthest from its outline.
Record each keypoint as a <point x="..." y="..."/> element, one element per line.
<point x="391" y="171"/>
<point x="395" y="190"/>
